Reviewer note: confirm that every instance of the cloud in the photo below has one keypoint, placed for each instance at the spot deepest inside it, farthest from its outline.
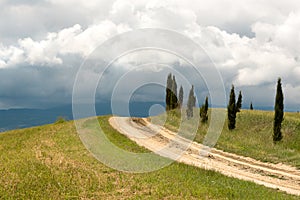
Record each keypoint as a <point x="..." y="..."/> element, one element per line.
<point x="285" y="35"/>
<point x="271" y="54"/>
<point x="33" y="86"/>
<point x="73" y="40"/>
<point x="251" y="42"/>
<point x="21" y="18"/>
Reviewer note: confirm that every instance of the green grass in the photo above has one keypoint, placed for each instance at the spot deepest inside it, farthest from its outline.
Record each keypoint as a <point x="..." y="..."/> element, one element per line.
<point x="253" y="136"/>
<point x="50" y="162"/>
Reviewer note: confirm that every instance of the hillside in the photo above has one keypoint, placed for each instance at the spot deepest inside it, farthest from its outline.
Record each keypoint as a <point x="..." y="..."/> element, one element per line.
<point x="172" y="145"/>
<point x="252" y="136"/>
<point x="50" y="162"/>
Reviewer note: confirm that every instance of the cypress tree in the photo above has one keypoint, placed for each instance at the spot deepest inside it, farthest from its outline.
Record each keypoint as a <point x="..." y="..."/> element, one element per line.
<point x="251" y="106"/>
<point x="191" y="103"/>
<point x="169" y="92"/>
<point x="231" y="110"/>
<point x="278" y="118"/>
<point x="174" y="99"/>
<point x="180" y="96"/>
<point x="239" y="103"/>
<point x="204" y="110"/>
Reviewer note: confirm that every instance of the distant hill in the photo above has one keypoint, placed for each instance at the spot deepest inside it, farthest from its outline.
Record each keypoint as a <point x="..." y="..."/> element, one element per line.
<point x="23" y="118"/>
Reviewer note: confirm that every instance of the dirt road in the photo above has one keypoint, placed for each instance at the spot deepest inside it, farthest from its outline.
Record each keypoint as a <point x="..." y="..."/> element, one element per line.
<point x="168" y="144"/>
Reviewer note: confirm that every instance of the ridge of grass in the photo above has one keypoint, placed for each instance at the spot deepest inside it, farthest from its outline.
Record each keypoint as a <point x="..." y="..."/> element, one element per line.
<point x="50" y="162"/>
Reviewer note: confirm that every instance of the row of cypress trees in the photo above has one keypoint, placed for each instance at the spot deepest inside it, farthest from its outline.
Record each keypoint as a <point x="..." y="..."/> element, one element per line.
<point x="171" y="93"/>
<point x="234" y="107"/>
<point x="172" y="102"/>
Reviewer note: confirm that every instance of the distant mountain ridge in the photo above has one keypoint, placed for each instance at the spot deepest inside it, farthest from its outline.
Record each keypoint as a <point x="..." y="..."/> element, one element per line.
<point x="23" y="118"/>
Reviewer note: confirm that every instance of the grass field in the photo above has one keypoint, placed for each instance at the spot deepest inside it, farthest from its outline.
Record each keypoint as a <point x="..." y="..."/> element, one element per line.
<point x="50" y="162"/>
<point x="253" y="136"/>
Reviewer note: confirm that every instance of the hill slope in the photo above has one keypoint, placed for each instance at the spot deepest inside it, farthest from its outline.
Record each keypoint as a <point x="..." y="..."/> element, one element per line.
<point x="171" y="145"/>
<point x="51" y="162"/>
<point x="252" y="136"/>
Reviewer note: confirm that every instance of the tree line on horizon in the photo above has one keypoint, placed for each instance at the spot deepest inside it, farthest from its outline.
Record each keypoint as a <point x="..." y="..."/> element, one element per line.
<point x="234" y="107"/>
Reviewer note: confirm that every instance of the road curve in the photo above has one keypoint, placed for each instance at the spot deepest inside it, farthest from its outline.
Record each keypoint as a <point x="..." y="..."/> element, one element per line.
<point x="168" y="144"/>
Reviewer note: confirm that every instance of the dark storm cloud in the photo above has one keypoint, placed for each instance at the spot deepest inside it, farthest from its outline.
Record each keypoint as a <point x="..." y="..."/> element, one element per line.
<point x="36" y="86"/>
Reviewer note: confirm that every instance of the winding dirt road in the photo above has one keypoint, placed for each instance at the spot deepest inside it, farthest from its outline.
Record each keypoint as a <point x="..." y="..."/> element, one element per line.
<point x="168" y="144"/>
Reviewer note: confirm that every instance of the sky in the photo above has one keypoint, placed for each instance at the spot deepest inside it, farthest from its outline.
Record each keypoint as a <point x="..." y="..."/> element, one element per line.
<point x="43" y="43"/>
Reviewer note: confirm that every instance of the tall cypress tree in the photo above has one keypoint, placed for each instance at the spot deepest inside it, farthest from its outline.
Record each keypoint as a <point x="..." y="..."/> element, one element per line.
<point x="278" y="118"/>
<point x="174" y="99"/>
<point x="239" y="103"/>
<point x="180" y="96"/>
<point x="231" y="110"/>
<point x="191" y="103"/>
<point x="169" y="92"/>
<point x="204" y="110"/>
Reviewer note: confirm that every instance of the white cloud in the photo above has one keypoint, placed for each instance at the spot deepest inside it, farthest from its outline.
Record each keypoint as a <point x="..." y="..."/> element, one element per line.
<point x="285" y="35"/>
<point x="39" y="52"/>
<point x="73" y="40"/>
<point x="123" y="11"/>
<point x="272" y="53"/>
<point x="10" y="56"/>
<point x="273" y="46"/>
<point x="166" y="17"/>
